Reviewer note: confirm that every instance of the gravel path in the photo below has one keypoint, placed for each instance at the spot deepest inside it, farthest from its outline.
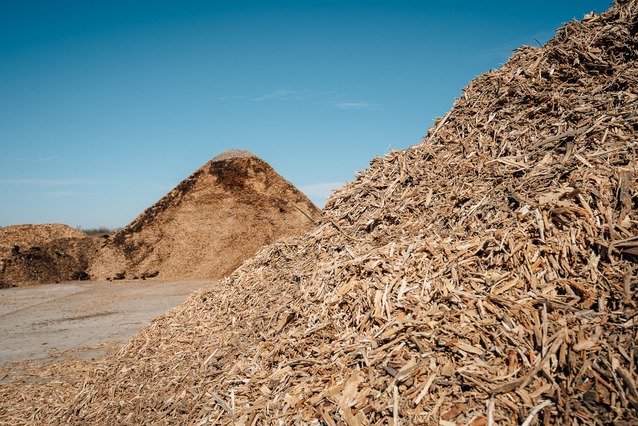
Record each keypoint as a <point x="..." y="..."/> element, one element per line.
<point x="39" y="322"/>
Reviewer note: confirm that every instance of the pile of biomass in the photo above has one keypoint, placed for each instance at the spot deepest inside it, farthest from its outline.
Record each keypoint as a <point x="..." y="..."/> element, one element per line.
<point x="209" y="224"/>
<point x="26" y="236"/>
<point x="43" y="254"/>
<point x="485" y="276"/>
<point x="204" y="228"/>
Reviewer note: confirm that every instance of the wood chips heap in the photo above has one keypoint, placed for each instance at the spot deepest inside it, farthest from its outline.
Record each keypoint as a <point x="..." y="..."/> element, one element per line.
<point x="29" y="235"/>
<point x="44" y="253"/>
<point x="208" y="224"/>
<point x="485" y="276"/>
<point x="204" y="228"/>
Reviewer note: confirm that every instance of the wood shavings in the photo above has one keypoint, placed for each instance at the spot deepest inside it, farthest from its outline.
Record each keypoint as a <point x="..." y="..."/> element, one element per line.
<point x="439" y="289"/>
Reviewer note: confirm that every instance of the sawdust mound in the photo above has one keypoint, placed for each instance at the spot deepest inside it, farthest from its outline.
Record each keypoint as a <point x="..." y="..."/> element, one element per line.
<point x="29" y="235"/>
<point x="209" y="224"/>
<point x="47" y="253"/>
<point x="484" y="276"/>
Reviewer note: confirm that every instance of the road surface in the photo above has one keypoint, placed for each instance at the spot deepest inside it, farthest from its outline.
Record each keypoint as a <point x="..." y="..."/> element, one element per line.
<point x="38" y="322"/>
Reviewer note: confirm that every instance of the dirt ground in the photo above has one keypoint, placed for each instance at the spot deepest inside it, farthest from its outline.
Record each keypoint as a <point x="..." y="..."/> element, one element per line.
<point x="41" y="322"/>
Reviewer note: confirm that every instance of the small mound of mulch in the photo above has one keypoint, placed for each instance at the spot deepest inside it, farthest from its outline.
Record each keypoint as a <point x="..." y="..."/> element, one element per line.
<point x="26" y="236"/>
<point x="48" y="253"/>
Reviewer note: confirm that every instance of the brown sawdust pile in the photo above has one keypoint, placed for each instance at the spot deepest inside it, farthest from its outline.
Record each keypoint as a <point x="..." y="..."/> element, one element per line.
<point x="209" y="224"/>
<point x="46" y="253"/>
<point x="485" y="276"/>
<point x="27" y="236"/>
<point x="204" y="228"/>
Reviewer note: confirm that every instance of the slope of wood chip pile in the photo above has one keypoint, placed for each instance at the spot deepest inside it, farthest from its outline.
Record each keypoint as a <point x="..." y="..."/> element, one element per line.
<point x="485" y="276"/>
<point x="32" y="254"/>
<point x="208" y="224"/>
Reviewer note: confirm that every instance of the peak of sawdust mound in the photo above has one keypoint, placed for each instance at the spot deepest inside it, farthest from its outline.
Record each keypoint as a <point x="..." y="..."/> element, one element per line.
<point x="209" y="224"/>
<point x="484" y="276"/>
<point x="46" y="253"/>
<point x="233" y="153"/>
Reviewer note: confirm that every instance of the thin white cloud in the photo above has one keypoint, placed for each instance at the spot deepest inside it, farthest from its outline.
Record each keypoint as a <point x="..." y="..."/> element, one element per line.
<point x="45" y="159"/>
<point x="504" y="51"/>
<point x="329" y="99"/>
<point x="356" y="105"/>
<point x="232" y="98"/>
<point x="47" y="182"/>
<point x="63" y="194"/>
<point x="32" y="159"/>
<point x="283" y="95"/>
<point x="319" y="192"/>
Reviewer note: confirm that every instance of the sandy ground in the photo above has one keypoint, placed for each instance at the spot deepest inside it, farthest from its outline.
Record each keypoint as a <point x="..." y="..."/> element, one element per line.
<point x="40" y="322"/>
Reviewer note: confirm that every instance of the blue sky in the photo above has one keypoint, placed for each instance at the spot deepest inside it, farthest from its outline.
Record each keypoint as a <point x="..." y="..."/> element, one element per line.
<point x="107" y="105"/>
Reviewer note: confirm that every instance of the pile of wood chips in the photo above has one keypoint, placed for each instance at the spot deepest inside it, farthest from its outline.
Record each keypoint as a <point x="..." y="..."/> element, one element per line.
<point x="485" y="276"/>
<point x="211" y="222"/>
<point x="31" y="254"/>
<point x="26" y="236"/>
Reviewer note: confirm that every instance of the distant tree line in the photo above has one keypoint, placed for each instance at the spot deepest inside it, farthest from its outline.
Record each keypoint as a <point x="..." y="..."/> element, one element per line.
<point x="96" y="231"/>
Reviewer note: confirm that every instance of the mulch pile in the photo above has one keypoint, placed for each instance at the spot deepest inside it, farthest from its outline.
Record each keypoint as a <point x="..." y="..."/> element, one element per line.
<point x="485" y="276"/>
<point x="209" y="224"/>
<point x="47" y="253"/>
<point x="204" y="228"/>
<point x="26" y="236"/>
